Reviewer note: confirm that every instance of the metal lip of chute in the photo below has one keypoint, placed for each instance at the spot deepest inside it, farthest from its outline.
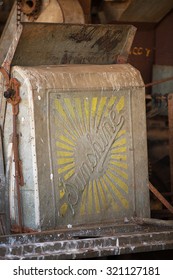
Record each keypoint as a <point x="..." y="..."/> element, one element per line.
<point x="73" y="44"/>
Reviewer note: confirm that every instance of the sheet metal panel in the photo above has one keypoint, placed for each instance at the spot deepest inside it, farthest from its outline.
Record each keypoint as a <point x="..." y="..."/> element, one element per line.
<point x="82" y="144"/>
<point x="53" y="44"/>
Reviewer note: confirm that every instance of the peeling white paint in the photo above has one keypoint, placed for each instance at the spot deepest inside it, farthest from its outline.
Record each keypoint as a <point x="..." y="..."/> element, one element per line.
<point x="117" y="243"/>
<point x="23" y="119"/>
<point x="69" y="226"/>
<point x="126" y="220"/>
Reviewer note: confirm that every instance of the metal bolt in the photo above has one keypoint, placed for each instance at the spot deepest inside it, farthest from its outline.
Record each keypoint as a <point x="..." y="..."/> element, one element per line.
<point x="9" y="93"/>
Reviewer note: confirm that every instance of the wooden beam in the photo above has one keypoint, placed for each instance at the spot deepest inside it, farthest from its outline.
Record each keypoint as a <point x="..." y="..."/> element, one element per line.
<point x="170" y="122"/>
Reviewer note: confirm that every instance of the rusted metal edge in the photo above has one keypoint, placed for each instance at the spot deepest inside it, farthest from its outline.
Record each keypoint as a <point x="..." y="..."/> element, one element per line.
<point x="79" y="248"/>
<point x="5" y="75"/>
<point x="13" y="97"/>
<point x="81" y="232"/>
<point x="160" y="197"/>
<point x="15" y="229"/>
<point x="12" y="49"/>
<point x="15" y="100"/>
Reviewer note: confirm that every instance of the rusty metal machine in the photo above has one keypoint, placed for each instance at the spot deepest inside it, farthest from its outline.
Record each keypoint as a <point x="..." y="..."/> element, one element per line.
<point x="74" y="131"/>
<point x="77" y="128"/>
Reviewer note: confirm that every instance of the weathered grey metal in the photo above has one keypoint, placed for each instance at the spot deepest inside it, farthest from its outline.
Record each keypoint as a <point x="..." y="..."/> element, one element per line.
<point x="82" y="145"/>
<point x="8" y="32"/>
<point x="96" y="241"/>
<point x="73" y="44"/>
<point x="4" y="196"/>
<point x="6" y="64"/>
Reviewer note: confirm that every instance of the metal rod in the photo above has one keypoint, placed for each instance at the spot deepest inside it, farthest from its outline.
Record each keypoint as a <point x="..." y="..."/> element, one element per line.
<point x="16" y="162"/>
<point x="159" y="82"/>
<point x="161" y="198"/>
<point x="157" y="222"/>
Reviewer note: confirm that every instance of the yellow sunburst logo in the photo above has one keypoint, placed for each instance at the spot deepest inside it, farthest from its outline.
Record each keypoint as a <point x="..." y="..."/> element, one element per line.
<point x="91" y="154"/>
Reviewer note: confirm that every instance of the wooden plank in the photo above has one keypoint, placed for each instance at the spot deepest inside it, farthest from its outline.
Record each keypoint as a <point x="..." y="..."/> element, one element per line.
<point x="146" y="10"/>
<point x="170" y="122"/>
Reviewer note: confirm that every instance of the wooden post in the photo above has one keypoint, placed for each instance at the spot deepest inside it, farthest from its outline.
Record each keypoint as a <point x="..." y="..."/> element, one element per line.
<point x="170" y="122"/>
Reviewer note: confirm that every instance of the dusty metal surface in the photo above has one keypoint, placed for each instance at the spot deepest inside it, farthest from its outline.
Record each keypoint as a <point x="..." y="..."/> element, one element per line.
<point x="82" y="166"/>
<point x="123" y="237"/>
<point x="6" y="64"/>
<point x="73" y="44"/>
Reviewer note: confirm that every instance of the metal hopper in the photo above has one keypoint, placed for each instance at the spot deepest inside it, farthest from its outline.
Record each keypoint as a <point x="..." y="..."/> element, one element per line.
<point x="81" y="146"/>
<point x="54" y="44"/>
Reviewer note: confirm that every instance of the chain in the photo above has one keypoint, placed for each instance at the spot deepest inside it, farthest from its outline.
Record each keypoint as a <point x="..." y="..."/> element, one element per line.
<point x="18" y="12"/>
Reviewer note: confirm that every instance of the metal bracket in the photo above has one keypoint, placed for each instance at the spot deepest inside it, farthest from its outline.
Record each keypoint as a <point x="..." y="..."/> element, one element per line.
<point x="13" y="97"/>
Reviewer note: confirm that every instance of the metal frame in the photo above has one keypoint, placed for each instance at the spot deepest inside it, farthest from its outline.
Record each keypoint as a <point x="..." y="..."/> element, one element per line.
<point x="96" y="241"/>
